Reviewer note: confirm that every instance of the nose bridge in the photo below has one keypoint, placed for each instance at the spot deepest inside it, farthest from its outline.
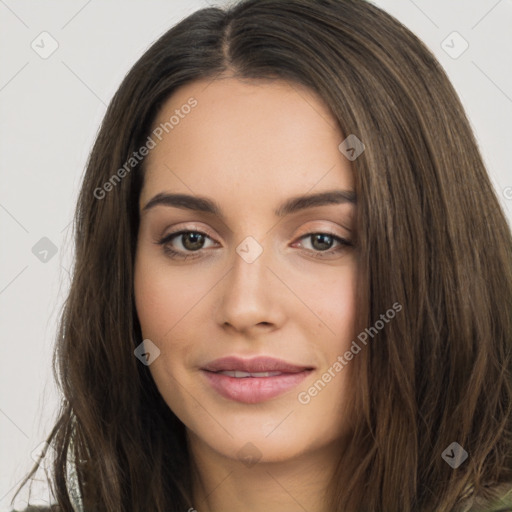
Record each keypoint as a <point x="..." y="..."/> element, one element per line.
<point x="248" y="293"/>
<point x="249" y="267"/>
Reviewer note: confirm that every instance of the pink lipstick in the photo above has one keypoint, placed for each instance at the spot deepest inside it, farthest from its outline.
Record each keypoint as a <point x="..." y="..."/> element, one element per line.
<point x="253" y="380"/>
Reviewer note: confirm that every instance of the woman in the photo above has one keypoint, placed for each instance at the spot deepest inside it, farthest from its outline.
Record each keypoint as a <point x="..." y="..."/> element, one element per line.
<point x="293" y="279"/>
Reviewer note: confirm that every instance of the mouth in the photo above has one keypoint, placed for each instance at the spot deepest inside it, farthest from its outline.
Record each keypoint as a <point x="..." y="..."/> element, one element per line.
<point x="242" y="375"/>
<point x="254" y="380"/>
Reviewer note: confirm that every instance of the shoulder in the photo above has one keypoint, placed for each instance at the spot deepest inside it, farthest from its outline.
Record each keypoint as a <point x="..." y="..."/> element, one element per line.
<point x="500" y="502"/>
<point x="34" y="508"/>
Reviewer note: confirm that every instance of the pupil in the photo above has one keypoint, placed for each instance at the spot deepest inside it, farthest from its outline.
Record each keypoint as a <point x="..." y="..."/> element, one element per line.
<point x="323" y="243"/>
<point x="195" y="244"/>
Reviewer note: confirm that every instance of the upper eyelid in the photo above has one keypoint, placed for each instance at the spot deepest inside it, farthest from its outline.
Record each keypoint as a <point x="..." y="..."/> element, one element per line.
<point x="180" y="231"/>
<point x="308" y="232"/>
<point x="322" y="229"/>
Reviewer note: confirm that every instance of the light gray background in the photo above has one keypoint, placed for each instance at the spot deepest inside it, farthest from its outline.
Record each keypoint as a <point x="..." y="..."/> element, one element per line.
<point x="50" y="110"/>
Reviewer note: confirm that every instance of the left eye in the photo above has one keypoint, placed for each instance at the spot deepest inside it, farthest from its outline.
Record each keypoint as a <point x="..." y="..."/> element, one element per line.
<point x="322" y="242"/>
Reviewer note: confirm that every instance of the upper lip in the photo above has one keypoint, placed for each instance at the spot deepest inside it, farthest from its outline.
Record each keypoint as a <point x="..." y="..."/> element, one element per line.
<point x="254" y="365"/>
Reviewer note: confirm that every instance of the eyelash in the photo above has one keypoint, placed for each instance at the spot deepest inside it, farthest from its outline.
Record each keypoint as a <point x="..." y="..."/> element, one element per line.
<point x="174" y="254"/>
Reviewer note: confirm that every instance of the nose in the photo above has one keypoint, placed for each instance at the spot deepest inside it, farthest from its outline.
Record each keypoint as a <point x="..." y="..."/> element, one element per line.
<point x="251" y="296"/>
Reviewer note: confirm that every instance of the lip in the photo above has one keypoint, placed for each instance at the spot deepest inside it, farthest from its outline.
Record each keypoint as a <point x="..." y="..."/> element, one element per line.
<point x="251" y="390"/>
<point x="254" y="365"/>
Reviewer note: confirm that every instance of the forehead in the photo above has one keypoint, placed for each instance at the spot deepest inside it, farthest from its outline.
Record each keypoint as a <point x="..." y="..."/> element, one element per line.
<point x="264" y="138"/>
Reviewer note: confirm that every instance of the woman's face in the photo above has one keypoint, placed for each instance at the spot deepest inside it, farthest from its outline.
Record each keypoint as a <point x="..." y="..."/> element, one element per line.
<point x="249" y="279"/>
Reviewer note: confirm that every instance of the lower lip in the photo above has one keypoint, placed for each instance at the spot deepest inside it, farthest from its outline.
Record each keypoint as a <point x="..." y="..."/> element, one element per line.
<point x="251" y="390"/>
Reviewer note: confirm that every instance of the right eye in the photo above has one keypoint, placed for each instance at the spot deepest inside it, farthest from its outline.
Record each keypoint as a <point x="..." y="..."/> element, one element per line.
<point x="191" y="242"/>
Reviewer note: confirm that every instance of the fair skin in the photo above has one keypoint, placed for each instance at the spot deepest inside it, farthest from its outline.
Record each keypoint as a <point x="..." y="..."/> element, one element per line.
<point x="250" y="146"/>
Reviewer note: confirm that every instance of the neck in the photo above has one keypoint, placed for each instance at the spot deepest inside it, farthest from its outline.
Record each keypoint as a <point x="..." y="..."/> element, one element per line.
<point x="222" y="484"/>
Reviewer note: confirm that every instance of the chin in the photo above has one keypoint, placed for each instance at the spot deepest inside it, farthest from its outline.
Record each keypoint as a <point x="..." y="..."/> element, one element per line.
<point x="263" y="441"/>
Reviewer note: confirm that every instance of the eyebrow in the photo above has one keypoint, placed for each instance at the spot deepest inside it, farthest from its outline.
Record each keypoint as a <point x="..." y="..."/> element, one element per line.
<point x="290" y="206"/>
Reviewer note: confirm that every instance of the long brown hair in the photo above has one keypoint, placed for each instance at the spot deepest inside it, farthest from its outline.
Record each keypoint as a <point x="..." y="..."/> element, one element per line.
<point x="431" y="235"/>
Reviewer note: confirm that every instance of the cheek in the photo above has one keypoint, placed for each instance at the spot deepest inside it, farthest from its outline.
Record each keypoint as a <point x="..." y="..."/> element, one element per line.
<point x="169" y="304"/>
<point x="162" y="301"/>
<point x="344" y="310"/>
<point x="152" y="299"/>
<point x="332" y="299"/>
<point x="163" y="298"/>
